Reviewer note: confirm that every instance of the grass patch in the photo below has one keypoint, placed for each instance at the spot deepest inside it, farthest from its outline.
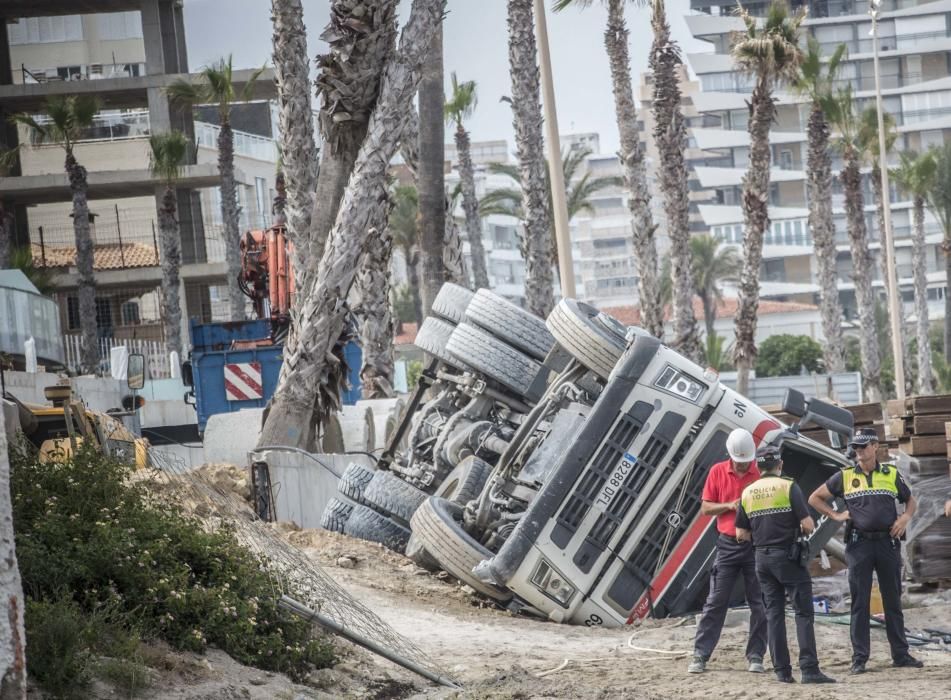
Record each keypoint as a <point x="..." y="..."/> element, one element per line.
<point x="103" y="565"/>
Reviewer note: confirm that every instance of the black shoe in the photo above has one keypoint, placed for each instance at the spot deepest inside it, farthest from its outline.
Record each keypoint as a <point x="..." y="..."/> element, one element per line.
<point x="857" y="668"/>
<point x="908" y="661"/>
<point x="815" y="676"/>
<point x="786" y="677"/>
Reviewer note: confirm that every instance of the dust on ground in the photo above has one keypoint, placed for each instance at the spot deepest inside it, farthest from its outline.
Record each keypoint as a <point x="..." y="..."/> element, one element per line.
<point x="497" y="655"/>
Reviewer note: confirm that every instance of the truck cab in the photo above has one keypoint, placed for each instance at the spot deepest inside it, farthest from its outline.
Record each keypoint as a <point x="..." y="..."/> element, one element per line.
<point x="614" y="532"/>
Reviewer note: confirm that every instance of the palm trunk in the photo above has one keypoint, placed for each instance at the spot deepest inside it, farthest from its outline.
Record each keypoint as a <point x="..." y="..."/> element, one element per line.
<point x="84" y="265"/>
<point x="412" y="275"/>
<point x="632" y="157"/>
<point x="295" y="124"/>
<point x="308" y="371"/>
<point x="230" y="216"/>
<point x="862" y="266"/>
<point x="527" y="109"/>
<point x="925" y="372"/>
<point x="6" y="236"/>
<point x="709" y="314"/>
<point x="470" y="205"/>
<point x="12" y="633"/>
<point x="823" y="236"/>
<point x="376" y="331"/>
<point x="670" y="135"/>
<point x="171" y="264"/>
<point x="431" y="179"/>
<point x="946" y="249"/>
<point x="361" y="38"/>
<point x="453" y="259"/>
<point x="756" y="221"/>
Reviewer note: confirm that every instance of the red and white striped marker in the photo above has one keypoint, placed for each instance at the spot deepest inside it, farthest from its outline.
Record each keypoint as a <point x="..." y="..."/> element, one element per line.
<point x="243" y="381"/>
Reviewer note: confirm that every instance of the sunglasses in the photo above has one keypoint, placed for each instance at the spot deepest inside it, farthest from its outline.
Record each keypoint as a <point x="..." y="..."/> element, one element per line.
<point x="862" y="447"/>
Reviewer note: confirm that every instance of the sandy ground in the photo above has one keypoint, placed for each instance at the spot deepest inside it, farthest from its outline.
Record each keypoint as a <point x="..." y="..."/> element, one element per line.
<point x="496" y="655"/>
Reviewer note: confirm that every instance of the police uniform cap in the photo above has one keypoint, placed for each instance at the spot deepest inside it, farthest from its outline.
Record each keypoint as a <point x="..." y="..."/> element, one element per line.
<point x="768" y="457"/>
<point x="864" y="437"/>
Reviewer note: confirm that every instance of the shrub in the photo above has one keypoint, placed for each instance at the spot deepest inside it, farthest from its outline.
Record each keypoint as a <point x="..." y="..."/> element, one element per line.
<point x="784" y="355"/>
<point x="81" y="527"/>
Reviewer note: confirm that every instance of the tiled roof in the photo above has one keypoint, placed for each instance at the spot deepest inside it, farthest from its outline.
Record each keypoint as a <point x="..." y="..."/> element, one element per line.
<point x="727" y="308"/>
<point x="107" y="256"/>
<point x="406" y="334"/>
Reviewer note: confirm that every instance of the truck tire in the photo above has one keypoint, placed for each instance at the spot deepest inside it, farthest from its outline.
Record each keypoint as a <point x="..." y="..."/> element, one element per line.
<point x="432" y="338"/>
<point x="435" y="526"/>
<point x="353" y="482"/>
<point x="465" y="482"/>
<point x="496" y="360"/>
<point x="508" y="322"/>
<point x="336" y="513"/>
<point x="390" y="495"/>
<point x="366" y="524"/>
<point x="451" y="302"/>
<point x="420" y="555"/>
<point x="596" y="340"/>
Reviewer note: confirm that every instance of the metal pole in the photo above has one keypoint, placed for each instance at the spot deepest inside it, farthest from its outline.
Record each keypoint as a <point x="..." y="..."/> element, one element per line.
<point x="291" y="605"/>
<point x="155" y="242"/>
<point x="42" y="247"/>
<point x="566" y="267"/>
<point x="119" y="233"/>
<point x="892" y="277"/>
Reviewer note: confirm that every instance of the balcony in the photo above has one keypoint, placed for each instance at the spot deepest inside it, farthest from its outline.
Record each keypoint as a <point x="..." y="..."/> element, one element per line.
<point x="245" y="144"/>
<point x="132" y="124"/>
<point x="93" y="71"/>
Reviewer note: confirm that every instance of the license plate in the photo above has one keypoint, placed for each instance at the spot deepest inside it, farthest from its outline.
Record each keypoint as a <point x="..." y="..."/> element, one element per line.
<point x="613" y="485"/>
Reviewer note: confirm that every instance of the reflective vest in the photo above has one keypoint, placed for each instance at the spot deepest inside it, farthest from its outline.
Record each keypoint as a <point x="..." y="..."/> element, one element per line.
<point x="767" y="496"/>
<point x="884" y="482"/>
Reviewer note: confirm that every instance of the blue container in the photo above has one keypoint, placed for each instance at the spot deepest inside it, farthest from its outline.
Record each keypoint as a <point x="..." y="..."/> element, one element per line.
<point x="228" y="380"/>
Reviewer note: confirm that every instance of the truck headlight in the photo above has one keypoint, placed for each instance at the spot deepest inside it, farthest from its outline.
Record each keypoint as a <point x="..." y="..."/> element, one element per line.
<point x="680" y="384"/>
<point x="552" y="584"/>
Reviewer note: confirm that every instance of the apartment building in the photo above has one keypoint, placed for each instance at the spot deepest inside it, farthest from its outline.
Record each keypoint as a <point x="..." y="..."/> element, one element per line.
<point x="124" y="52"/>
<point x="915" y="67"/>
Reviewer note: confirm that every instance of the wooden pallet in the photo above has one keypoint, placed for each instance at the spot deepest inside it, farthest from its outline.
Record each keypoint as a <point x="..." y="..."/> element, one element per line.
<point x="916" y="405"/>
<point x="921" y="445"/>
<point x="905" y="426"/>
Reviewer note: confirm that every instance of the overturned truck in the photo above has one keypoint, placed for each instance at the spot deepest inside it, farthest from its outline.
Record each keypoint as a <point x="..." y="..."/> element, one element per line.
<point x="557" y="466"/>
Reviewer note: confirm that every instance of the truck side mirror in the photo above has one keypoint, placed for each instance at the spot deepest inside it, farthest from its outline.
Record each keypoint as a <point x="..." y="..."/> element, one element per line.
<point x="135" y="374"/>
<point x="794" y="403"/>
<point x="187" y="378"/>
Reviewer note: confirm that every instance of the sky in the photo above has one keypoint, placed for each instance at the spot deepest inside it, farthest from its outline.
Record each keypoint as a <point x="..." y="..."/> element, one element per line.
<point x="475" y="47"/>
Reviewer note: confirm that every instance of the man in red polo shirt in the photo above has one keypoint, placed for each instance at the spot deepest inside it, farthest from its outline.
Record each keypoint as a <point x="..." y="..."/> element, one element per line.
<point x="721" y="498"/>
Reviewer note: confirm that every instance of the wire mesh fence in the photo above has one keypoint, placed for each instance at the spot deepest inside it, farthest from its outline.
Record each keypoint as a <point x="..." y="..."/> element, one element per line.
<point x="291" y="571"/>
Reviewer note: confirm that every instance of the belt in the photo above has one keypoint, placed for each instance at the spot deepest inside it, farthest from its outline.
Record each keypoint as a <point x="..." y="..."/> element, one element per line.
<point x="774" y="548"/>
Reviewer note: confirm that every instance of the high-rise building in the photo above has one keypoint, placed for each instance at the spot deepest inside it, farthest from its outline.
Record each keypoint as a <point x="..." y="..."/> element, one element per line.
<point x="915" y="69"/>
<point x="124" y="52"/>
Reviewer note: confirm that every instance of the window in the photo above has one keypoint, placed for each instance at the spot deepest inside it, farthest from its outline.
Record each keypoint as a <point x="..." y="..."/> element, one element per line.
<point x="260" y="196"/>
<point x="120" y="25"/>
<point x="45" y="30"/>
<point x="129" y="312"/>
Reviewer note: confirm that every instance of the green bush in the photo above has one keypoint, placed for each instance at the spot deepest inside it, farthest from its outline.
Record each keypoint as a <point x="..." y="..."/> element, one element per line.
<point x="81" y="527"/>
<point x="783" y="355"/>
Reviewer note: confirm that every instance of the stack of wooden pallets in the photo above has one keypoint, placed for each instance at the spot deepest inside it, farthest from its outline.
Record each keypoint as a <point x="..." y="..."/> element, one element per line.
<point x="865" y="415"/>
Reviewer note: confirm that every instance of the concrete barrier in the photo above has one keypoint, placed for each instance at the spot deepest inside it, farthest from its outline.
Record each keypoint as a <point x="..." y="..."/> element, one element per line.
<point x="230" y="436"/>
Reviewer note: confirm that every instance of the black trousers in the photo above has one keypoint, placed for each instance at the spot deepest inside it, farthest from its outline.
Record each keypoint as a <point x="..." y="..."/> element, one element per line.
<point x="777" y="577"/>
<point x="884" y="558"/>
<point x="733" y="560"/>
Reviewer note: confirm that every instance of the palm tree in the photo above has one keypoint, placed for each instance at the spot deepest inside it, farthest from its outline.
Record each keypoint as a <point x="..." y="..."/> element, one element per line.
<point x="6" y="235"/>
<point x="632" y="155"/>
<point x="453" y="258"/>
<point x="769" y="52"/>
<point x="670" y="135"/>
<point x="403" y="226"/>
<point x="711" y="263"/>
<point x="67" y="116"/>
<point x="843" y="114"/>
<point x="376" y="329"/>
<point x="527" y="109"/>
<point x="939" y="202"/>
<point x="295" y="124"/>
<point x="312" y="370"/>
<point x="40" y="277"/>
<point x="815" y="81"/>
<point x="168" y="153"/>
<point x="431" y="179"/>
<point x="459" y="107"/>
<point x="916" y="176"/>
<point x="216" y="87"/>
<point x="509" y="201"/>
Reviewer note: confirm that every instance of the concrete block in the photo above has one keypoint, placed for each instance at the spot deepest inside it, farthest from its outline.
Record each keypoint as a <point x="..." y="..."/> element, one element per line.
<point x="230" y="436"/>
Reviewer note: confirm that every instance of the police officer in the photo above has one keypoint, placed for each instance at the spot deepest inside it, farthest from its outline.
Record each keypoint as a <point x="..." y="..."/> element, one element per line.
<point x="772" y="513"/>
<point x="872" y="543"/>
<point x="721" y="497"/>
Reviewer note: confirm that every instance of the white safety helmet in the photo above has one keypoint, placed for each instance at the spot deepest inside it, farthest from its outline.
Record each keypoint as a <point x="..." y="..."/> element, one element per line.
<point x="740" y="447"/>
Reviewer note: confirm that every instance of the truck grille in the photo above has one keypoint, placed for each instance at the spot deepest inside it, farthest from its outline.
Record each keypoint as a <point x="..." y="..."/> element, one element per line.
<point x="625" y="431"/>
<point x="640" y="566"/>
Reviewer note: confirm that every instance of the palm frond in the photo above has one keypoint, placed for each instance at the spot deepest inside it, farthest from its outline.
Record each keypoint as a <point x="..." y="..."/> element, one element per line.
<point x="167" y="155"/>
<point x="9" y="157"/>
<point x="939" y="194"/>
<point x="507" y="169"/>
<point x="184" y="93"/>
<point x="462" y="101"/>
<point x="248" y="91"/>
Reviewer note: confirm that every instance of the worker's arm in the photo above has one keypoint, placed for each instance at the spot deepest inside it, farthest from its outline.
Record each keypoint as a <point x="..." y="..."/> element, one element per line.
<point x="820" y="501"/>
<point x="911" y="505"/>
<point x="807" y="525"/>
<point x="710" y="508"/>
<point x="797" y="501"/>
<point x="744" y="528"/>
<point x="743" y="535"/>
